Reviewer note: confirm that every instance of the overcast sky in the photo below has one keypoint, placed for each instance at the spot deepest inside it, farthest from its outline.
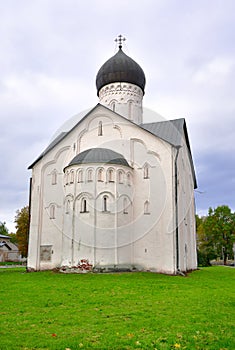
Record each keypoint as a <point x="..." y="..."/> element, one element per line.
<point x="51" y="50"/>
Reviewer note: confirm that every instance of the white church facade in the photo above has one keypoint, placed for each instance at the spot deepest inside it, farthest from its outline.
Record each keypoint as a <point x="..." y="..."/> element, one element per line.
<point x="113" y="190"/>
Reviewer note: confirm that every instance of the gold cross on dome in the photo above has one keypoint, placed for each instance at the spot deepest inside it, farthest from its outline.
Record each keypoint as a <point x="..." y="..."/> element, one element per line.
<point x="120" y="39"/>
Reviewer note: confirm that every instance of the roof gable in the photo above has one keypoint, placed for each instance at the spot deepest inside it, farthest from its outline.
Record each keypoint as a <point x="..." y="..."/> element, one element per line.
<point x="5" y="245"/>
<point x="171" y="131"/>
<point x="62" y="135"/>
<point x="174" y="132"/>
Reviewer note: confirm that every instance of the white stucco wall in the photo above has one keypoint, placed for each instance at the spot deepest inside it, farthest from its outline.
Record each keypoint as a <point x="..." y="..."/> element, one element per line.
<point x="186" y="210"/>
<point x="142" y="239"/>
<point x="123" y="98"/>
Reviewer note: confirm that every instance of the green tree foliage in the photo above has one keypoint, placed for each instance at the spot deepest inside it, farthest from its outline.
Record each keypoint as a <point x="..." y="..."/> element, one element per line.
<point x="205" y="251"/>
<point x="22" y="230"/>
<point x="3" y="229"/>
<point x="13" y="237"/>
<point x="216" y="233"/>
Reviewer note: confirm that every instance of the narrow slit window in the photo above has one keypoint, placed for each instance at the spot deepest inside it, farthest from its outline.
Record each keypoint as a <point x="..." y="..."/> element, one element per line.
<point x="128" y="179"/>
<point x="52" y="211"/>
<point x="146" y="207"/>
<point x="130" y="107"/>
<point x="54" y="178"/>
<point x="110" y="175"/>
<point x="84" y="207"/>
<point x="105" y="203"/>
<point x="72" y="177"/>
<point x="125" y="204"/>
<point x="146" y="171"/>
<point x="67" y="178"/>
<point x="100" y="175"/>
<point x="120" y="177"/>
<point x="113" y="106"/>
<point x="89" y="175"/>
<point x="100" y="129"/>
<point x="80" y="176"/>
<point x="67" y="207"/>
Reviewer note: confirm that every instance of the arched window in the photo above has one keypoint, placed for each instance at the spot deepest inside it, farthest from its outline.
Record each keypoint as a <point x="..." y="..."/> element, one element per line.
<point x="80" y="176"/>
<point x="120" y="177"/>
<point x="100" y="129"/>
<point x="90" y="175"/>
<point x="105" y="203"/>
<point x="67" y="206"/>
<point x="125" y="204"/>
<point x="128" y="177"/>
<point x="110" y="175"/>
<point x="100" y="175"/>
<point x="72" y="176"/>
<point x="84" y="206"/>
<point x="67" y="178"/>
<point x="54" y="177"/>
<point x="146" y="207"/>
<point x="113" y="106"/>
<point x="146" y="171"/>
<point x="52" y="211"/>
<point x="130" y="108"/>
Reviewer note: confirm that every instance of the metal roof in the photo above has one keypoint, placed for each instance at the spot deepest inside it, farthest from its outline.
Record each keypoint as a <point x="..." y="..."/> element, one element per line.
<point x="120" y="68"/>
<point x="61" y="136"/>
<point x="169" y="130"/>
<point x="3" y="236"/>
<point x="172" y="131"/>
<point x="99" y="155"/>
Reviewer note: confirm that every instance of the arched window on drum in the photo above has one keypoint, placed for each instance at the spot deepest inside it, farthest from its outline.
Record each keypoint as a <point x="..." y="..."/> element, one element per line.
<point x="84" y="205"/>
<point x="146" y="207"/>
<point x="105" y="203"/>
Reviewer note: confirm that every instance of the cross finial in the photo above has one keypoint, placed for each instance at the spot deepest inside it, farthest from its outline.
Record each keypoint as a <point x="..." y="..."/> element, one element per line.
<point x="120" y="39"/>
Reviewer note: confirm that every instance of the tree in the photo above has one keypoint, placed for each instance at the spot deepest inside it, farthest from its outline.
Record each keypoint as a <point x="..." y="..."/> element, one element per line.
<point x="217" y="233"/>
<point x="22" y="230"/>
<point x="205" y="251"/>
<point x="13" y="238"/>
<point x="3" y="229"/>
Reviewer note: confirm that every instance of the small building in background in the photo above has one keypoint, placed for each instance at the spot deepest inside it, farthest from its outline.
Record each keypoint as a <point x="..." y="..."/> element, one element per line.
<point x="8" y="250"/>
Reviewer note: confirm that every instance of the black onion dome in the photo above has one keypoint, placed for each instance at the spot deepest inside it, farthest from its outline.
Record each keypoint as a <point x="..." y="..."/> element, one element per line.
<point x="120" y="68"/>
<point x="99" y="155"/>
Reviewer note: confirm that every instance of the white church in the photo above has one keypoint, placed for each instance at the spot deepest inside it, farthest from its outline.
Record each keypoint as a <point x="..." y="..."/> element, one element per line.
<point x="113" y="190"/>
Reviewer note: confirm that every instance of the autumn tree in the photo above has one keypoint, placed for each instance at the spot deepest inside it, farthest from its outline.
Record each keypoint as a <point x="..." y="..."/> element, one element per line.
<point x="217" y="233"/>
<point x="22" y="230"/>
<point x="3" y="229"/>
<point x="13" y="237"/>
<point x="205" y="248"/>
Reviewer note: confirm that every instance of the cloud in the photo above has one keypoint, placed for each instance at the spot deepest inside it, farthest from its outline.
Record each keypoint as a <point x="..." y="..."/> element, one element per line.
<point x="215" y="72"/>
<point x="35" y="90"/>
<point x="51" y="51"/>
<point x="215" y="172"/>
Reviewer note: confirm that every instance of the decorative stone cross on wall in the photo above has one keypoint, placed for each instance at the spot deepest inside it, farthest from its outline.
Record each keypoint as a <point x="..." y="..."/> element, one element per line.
<point x="120" y="39"/>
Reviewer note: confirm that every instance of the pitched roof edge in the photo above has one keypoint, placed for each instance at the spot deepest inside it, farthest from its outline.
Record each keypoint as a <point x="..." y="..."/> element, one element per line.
<point x="185" y="132"/>
<point x="65" y="133"/>
<point x="50" y="146"/>
<point x="190" y="155"/>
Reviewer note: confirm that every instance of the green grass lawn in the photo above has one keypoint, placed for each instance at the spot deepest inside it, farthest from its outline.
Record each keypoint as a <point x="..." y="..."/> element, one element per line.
<point x="47" y="310"/>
